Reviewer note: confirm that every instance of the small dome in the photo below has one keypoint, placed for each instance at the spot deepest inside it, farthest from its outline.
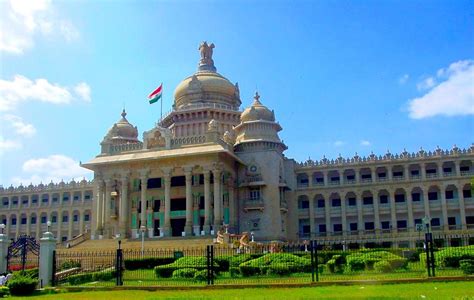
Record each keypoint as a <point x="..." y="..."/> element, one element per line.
<point x="257" y="111"/>
<point x="122" y="131"/>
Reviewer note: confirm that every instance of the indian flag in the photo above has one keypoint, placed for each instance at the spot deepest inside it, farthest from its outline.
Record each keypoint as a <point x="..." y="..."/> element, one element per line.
<point x="156" y="94"/>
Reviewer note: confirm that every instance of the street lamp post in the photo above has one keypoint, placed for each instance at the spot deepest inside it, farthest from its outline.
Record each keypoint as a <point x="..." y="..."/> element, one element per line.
<point x="142" y="230"/>
<point x="429" y="247"/>
<point x="48" y="225"/>
<point x="2" y="227"/>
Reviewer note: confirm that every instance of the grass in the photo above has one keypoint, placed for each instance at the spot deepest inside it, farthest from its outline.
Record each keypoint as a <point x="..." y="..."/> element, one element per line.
<point x="431" y="290"/>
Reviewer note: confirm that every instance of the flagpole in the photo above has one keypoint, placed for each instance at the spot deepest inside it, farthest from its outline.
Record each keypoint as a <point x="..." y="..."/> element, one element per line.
<point x="161" y="113"/>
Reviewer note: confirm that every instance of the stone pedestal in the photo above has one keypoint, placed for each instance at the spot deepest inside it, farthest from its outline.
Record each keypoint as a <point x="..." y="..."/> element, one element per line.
<point x="196" y="230"/>
<point x="47" y="246"/>
<point x="134" y="233"/>
<point x="166" y="231"/>
<point x="207" y="229"/>
<point x="3" y="252"/>
<point x="188" y="229"/>
<point x="150" y="233"/>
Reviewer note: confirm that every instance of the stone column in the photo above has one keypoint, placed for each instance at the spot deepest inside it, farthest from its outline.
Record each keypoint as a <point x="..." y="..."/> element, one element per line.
<point x="70" y="224"/>
<point x="444" y="207"/>
<point x="18" y="224"/>
<point x="144" y="187"/>
<point x="188" y="227"/>
<point x="327" y="214"/>
<point x="107" y="201"/>
<point x="38" y="224"/>
<point x="98" y="211"/>
<point x="4" y="243"/>
<point x="390" y="173"/>
<point x="59" y="221"/>
<point x="462" y="207"/>
<point x="426" y="203"/>
<point x="310" y="179"/>
<point x="343" y="215"/>
<point x="207" y="202"/>
<point x="28" y="224"/>
<point x="423" y="171"/>
<point x="393" y="211"/>
<point x="373" y="174"/>
<point x="407" y="172"/>
<point x="81" y="222"/>
<point x="357" y="175"/>
<point x="217" y="200"/>
<point x="123" y="209"/>
<point x="47" y="246"/>
<point x="326" y="178"/>
<point x="411" y="221"/>
<point x="232" y="214"/>
<point x="312" y="226"/>
<point x="167" y="179"/>
<point x="376" y="214"/>
<point x="457" y="166"/>
<point x="360" y="213"/>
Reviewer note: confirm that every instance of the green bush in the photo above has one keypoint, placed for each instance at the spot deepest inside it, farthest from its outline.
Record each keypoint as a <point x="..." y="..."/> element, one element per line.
<point x="69" y="264"/>
<point x="21" y="285"/>
<point x="249" y="270"/>
<point x="4" y="291"/>
<point x="450" y="257"/>
<point x="103" y="276"/>
<point x="371" y="257"/>
<point x="91" y="276"/>
<point x="234" y="271"/>
<point x="146" y="262"/>
<point x="336" y="264"/>
<point x="184" y="273"/>
<point x="195" y="262"/>
<point x="467" y="266"/>
<point x="279" y="269"/>
<point x="356" y="264"/>
<point x="201" y="276"/>
<point x="383" y="266"/>
<point x="32" y="273"/>
<point x="262" y="264"/>
<point x="236" y="260"/>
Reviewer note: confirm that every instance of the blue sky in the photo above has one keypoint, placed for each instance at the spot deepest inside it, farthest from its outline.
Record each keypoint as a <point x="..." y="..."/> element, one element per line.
<point x="342" y="76"/>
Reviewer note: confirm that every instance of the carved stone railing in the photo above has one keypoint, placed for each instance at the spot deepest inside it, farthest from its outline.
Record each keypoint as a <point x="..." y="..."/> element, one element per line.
<point x="253" y="204"/>
<point x="125" y="147"/>
<point x="389" y="157"/>
<point x="47" y="187"/>
<point x="194" y="106"/>
<point x="188" y="140"/>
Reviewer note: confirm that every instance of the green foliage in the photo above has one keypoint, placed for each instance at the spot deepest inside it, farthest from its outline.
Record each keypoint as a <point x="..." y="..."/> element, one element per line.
<point x="467" y="266"/>
<point x="90" y="277"/>
<point x="201" y="276"/>
<point x="31" y="273"/>
<point x="146" y="262"/>
<point x="279" y="262"/>
<point x="279" y="269"/>
<point x="354" y="261"/>
<point x="195" y="262"/>
<point x="234" y="271"/>
<point x="21" y="285"/>
<point x="184" y="273"/>
<point x="69" y="264"/>
<point x="450" y="257"/>
<point x="383" y="266"/>
<point x="4" y="291"/>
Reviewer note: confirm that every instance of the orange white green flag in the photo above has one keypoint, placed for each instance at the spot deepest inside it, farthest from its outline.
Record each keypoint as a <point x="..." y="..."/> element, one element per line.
<point x="156" y="94"/>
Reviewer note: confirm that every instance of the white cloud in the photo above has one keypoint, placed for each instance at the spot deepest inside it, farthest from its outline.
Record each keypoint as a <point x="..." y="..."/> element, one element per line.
<point x="21" y="128"/>
<point x="365" y="143"/>
<point x="338" y="143"/>
<point x="426" y="84"/>
<point x="403" y="79"/>
<point x="23" y="20"/>
<point x="52" y="168"/>
<point x="8" y="145"/>
<point x="83" y="90"/>
<point x="23" y="89"/>
<point x="453" y="96"/>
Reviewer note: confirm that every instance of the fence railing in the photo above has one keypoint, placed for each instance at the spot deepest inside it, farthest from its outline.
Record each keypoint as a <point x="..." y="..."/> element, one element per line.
<point x="256" y="263"/>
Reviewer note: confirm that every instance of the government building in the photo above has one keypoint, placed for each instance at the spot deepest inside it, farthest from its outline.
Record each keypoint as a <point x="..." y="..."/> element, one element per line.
<point x="208" y="164"/>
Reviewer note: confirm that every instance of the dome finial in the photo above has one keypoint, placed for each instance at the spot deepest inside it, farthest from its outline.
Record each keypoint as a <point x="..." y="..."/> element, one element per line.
<point x="124" y="113"/>
<point x="256" y="99"/>
<point x="206" y="63"/>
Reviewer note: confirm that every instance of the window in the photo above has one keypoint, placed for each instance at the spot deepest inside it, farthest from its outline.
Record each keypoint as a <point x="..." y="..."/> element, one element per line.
<point x="54" y="219"/>
<point x="368" y="200"/>
<point x="465" y="194"/>
<point x="304" y="181"/>
<point x="15" y="202"/>
<point x="34" y="200"/>
<point x="44" y="219"/>
<point x="66" y="198"/>
<point x="178" y="181"/>
<point x="45" y="200"/>
<point x="415" y="172"/>
<point x="400" y="198"/>
<point x="416" y="197"/>
<point x="303" y="204"/>
<point x="154" y="183"/>
<point x="452" y="221"/>
<point x="255" y="194"/>
<point x="87" y="197"/>
<point x="33" y="220"/>
<point x="336" y="202"/>
<point x="369" y="225"/>
<point x="55" y="199"/>
<point x="382" y="175"/>
<point x="447" y="170"/>
<point x="306" y="229"/>
<point x="449" y="194"/>
<point x="24" y="202"/>
<point x="320" y="202"/>
<point x="14" y="221"/>
<point x="398" y="174"/>
<point x="5" y="202"/>
<point x="75" y="218"/>
<point x="320" y="180"/>
<point x="336" y="178"/>
<point x="352" y="201"/>
<point x="469" y="219"/>
<point x="464" y="168"/>
<point x="23" y="221"/>
<point x="76" y="198"/>
<point x="431" y="171"/>
<point x="86" y="217"/>
<point x="418" y="221"/>
<point x="322" y="227"/>
<point x="383" y="199"/>
<point x="366" y="176"/>
<point x="385" y="224"/>
<point x="353" y="226"/>
<point x="350" y="177"/>
<point x="435" y="222"/>
<point x="65" y="219"/>
<point x="433" y="196"/>
<point x="402" y="224"/>
<point x="156" y="206"/>
<point x="337" y="227"/>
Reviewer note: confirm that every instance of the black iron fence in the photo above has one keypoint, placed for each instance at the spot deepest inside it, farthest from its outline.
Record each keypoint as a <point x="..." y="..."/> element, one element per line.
<point x="259" y="264"/>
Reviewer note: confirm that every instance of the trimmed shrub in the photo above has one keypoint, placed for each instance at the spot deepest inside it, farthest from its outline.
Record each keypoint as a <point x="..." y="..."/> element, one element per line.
<point x="356" y="264"/>
<point x="32" y="273"/>
<point x="195" y="262"/>
<point x="278" y="269"/>
<point x="201" y="276"/>
<point x="234" y="271"/>
<point x="450" y="257"/>
<point x="236" y="260"/>
<point x="383" y="266"/>
<point x="249" y="270"/>
<point x="262" y="264"/>
<point x="371" y="257"/>
<point x="146" y="262"/>
<point x="184" y="273"/>
<point x="467" y="266"/>
<point x="336" y="264"/>
<point x="4" y="291"/>
<point x="103" y="276"/>
<point x="21" y="285"/>
<point x="69" y="264"/>
<point x="80" y="278"/>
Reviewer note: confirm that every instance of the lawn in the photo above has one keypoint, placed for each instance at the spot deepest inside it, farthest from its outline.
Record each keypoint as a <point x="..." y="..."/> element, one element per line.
<point x="432" y="290"/>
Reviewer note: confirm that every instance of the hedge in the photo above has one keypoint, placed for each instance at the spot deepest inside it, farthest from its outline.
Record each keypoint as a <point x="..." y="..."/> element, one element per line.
<point x="195" y="262"/>
<point x="4" y="291"/>
<point x="21" y="285"/>
<point x="467" y="266"/>
<point x="90" y="277"/>
<point x="146" y="262"/>
<point x="184" y="273"/>
<point x="450" y="257"/>
<point x="275" y="263"/>
<point x="369" y="258"/>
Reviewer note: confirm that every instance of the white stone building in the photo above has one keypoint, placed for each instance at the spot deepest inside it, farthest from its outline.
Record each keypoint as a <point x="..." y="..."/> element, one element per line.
<point x="207" y="163"/>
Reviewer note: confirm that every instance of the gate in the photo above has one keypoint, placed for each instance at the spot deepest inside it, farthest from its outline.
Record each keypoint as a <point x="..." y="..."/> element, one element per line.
<point x="23" y="254"/>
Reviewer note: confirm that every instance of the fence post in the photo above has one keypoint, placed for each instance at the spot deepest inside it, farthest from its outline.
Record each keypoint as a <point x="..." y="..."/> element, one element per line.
<point x="427" y="251"/>
<point x="312" y="260"/>
<point x="432" y="256"/>
<point x="47" y="248"/>
<point x="118" y="266"/>
<point x="3" y="252"/>
<point x="212" y="264"/>
<point x="53" y="274"/>
<point x="316" y="260"/>
<point x="208" y="263"/>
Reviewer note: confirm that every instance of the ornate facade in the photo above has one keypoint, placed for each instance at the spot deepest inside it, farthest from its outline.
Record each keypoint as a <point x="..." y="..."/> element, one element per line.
<point x="207" y="164"/>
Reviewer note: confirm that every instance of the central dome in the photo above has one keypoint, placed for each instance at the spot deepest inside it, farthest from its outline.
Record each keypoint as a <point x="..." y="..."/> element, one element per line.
<point x="206" y="86"/>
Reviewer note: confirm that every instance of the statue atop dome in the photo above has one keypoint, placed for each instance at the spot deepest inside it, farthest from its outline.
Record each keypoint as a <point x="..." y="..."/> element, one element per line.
<point x="206" y="63"/>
